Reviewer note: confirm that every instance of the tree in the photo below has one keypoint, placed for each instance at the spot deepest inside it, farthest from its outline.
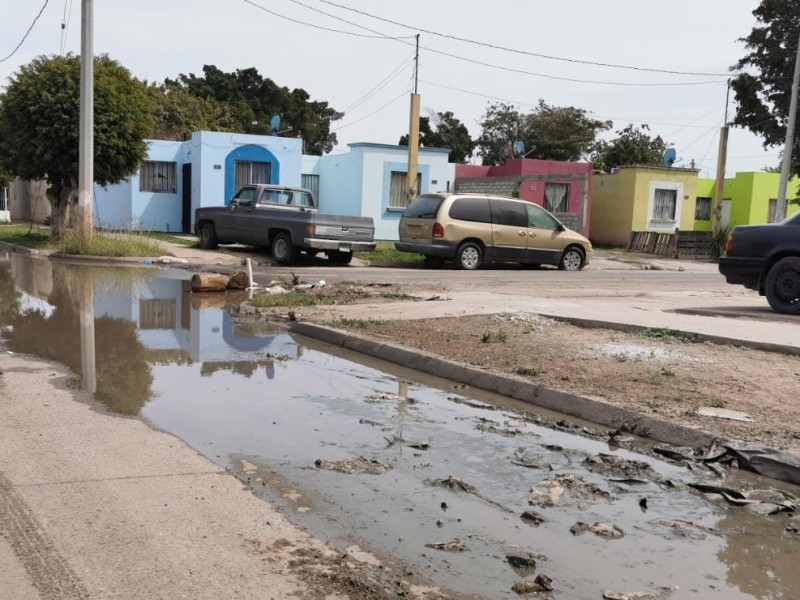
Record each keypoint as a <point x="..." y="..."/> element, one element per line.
<point x="39" y="126"/>
<point x="548" y="132"/>
<point x="177" y="113"/>
<point x="763" y="96"/>
<point x="632" y="146"/>
<point x="449" y="132"/>
<point x="251" y="100"/>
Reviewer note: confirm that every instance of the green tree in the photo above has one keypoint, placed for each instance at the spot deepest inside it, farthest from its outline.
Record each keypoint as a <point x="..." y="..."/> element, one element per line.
<point x="177" y="113"/>
<point x="449" y="132"/>
<point x="763" y="94"/>
<point x="632" y="146"/>
<point x="251" y="100"/>
<point x="39" y="126"/>
<point x="548" y="132"/>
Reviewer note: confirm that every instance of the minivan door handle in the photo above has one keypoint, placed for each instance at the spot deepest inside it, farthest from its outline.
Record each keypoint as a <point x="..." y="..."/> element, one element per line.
<point x="522" y="233"/>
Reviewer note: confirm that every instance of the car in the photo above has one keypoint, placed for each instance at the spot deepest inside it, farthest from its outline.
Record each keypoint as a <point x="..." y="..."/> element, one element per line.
<point x="472" y="229"/>
<point x="766" y="258"/>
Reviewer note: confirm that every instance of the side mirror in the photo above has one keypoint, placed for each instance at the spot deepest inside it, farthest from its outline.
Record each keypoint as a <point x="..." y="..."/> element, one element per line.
<point x="561" y="227"/>
<point x="234" y="203"/>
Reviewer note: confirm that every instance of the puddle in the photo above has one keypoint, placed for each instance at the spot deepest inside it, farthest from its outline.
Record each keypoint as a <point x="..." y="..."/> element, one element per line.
<point x="269" y="406"/>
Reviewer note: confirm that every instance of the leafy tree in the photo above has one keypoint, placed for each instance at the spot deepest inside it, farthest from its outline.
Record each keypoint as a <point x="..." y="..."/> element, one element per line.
<point x="548" y="132"/>
<point x="632" y="146"/>
<point x="177" y="113"/>
<point x="251" y="100"/>
<point x="449" y="132"/>
<point x="763" y="95"/>
<point x="39" y="126"/>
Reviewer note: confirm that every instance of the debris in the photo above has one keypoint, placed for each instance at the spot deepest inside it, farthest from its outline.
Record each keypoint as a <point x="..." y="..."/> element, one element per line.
<point x="276" y="290"/>
<point x="675" y="455"/>
<point x="611" y="532"/>
<point x="550" y="492"/>
<point x="542" y="583"/>
<point x="454" y="546"/>
<point x="354" y="465"/>
<point x="383" y="397"/>
<point x="239" y="281"/>
<point x="763" y="502"/>
<point x="770" y="463"/>
<point x="609" y="595"/>
<point x="643" y="504"/>
<point x="522" y="561"/>
<point x="208" y="282"/>
<point x="489" y="426"/>
<point x="616" y="466"/>
<point x="454" y="483"/>
<point x="724" y="413"/>
<point x="395" y="439"/>
<point x="532" y="518"/>
<point x="166" y="260"/>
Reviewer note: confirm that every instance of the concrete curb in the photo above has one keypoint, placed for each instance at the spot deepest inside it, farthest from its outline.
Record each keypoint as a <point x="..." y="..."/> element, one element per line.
<point x="531" y="393"/>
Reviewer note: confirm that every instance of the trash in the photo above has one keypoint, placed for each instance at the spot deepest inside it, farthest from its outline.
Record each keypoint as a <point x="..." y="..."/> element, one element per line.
<point x="522" y="561"/>
<point x="550" y="492"/>
<point x="542" y="583"/>
<point x="454" y="546"/>
<point x="763" y="502"/>
<point x="608" y="595"/>
<point x="675" y="455"/>
<point x="643" y="504"/>
<point x="532" y="518"/>
<point x="723" y="413"/>
<point x="611" y="532"/>
<point x="616" y="466"/>
<point x="770" y="463"/>
<point x="397" y="440"/>
<point x="276" y="290"/>
<point x="166" y="260"/>
<point x="147" y="261"/>
<point x="354" y="465"/>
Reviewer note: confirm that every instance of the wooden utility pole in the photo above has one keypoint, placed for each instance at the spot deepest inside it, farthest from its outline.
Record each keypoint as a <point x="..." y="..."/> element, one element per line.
<point x="413" y="135"/>
<point x="789" y="147"/>
<point x="722" y="161"/>
<point x="84" y="219"/>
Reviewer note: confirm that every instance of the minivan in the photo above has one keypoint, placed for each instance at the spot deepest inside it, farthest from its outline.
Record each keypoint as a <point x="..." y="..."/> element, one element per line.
<point x="471" y="229"/>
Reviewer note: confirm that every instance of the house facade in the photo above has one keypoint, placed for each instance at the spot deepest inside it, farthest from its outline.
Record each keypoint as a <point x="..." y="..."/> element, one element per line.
<point x="642" y="198"/>
<point x="563" y="188"/>
<point x="371" y="181"/>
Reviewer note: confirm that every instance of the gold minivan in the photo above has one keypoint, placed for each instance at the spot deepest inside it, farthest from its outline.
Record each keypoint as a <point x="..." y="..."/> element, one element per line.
<point x="471" y="229"/>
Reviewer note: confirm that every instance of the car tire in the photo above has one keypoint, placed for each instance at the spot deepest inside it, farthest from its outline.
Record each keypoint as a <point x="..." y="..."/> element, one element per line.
<point x="340" y="258"/>
<point x="572" y="259"/>
<point x="433" y="262"/>
<point x="208" y="237"/>
<point x="469" y="256"/>
<point x="782" y="286"/>
<point x="283" y="251"/>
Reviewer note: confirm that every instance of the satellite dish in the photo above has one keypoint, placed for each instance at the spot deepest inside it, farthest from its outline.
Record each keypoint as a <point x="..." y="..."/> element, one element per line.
<point x="670" y="156"/>
<point x="519" y="148"/>
<point x="275" y="124"/>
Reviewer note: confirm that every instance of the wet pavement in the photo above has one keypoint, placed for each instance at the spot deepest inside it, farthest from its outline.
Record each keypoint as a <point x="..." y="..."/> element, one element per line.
<point x="410" y="468"/>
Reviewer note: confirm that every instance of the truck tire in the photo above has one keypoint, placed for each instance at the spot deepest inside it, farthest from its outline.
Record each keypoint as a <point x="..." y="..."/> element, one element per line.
<point x="782" y="286"/>
<point x="208" y="237"/>
<point x="340" y="258"/>
<point x="283" y="251"/>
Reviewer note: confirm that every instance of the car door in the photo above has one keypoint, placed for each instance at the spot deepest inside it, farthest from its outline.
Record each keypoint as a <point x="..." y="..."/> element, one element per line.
<point x="509" y="230"/>
<point x="545" y="236"/>
<point x="239" y="219"/>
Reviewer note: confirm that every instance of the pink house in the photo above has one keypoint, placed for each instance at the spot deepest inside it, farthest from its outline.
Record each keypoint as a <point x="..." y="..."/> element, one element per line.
<point x="563" y="188"/>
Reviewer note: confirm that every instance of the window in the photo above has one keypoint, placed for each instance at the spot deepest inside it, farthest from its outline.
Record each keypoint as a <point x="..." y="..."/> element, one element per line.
<point x="665" y="203"/>
<point x="311" y="182"/>
<point x="509" y="213"/>
<point x="159" y="177"/>
<point x="556" y="197"/>
<point x="281" y="197"/>
<point x="4" y="199"/>
<point x="303" y="199"/>
<point x="702" y="209"/>
<point x="157" y="314"/>
<point x="475" y="210"/>
<point x="246" y="196"/>
<point x="424" y="207"/>
<point x="398" y="189"/>
<point x="540" y="219"/>
<point x="245" y="173"/>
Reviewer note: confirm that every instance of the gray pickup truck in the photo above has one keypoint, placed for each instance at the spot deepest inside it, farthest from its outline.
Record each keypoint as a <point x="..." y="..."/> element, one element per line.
<point x="286" y="220"/>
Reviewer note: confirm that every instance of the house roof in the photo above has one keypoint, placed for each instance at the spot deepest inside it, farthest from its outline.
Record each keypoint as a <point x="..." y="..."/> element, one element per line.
<point x="397" y="147"/>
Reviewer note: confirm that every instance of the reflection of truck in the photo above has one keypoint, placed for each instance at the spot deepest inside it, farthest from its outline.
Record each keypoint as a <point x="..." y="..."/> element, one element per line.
<point x="287" y="220"/>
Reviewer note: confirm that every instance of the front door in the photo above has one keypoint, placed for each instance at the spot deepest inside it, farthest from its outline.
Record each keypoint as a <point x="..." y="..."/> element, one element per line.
<point x="509" y="230"/>
<point x="725" y="212"/>
<point x="545" y="242"/>
<point x="187" y="198"/>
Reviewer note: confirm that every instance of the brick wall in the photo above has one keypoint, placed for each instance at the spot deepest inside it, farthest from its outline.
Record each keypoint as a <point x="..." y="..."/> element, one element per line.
<point x="496" y="186"/>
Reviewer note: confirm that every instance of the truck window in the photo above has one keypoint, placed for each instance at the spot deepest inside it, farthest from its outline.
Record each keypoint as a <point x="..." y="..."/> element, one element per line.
<point x="282" y="197"/>
<point x="424" y="207"/>
<point x="303" y="199"/>
<point x="246" y="196"/>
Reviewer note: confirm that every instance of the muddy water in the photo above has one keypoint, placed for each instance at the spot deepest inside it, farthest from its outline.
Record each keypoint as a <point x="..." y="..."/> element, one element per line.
<point x="268" y="406"/>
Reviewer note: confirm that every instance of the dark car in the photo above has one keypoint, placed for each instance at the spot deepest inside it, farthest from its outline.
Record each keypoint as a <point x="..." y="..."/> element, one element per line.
<point x="766" y="258"/>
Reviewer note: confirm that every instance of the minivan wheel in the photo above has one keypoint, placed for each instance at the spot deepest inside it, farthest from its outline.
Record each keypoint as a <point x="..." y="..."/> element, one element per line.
<point x="572" y="259"/>
<point x="282" y="249"/>
<point x="782" y="286"/>
<point x="469" y="256"/>
<point x="433" y="262"/>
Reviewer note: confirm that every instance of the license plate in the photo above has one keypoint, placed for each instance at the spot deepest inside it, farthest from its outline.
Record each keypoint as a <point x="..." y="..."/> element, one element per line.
<point x="344" y="247"/>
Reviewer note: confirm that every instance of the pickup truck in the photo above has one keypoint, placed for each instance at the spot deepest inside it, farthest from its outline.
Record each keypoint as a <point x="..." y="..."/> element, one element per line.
<point x="766" y="258"/>
<point x="287" y="220"/>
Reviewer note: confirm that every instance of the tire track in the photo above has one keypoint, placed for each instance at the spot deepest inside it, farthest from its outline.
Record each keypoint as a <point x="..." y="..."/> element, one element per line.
<point x="48" y="571"/>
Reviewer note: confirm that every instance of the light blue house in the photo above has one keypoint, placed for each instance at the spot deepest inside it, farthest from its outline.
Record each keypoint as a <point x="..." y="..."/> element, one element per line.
<point x="179" y="177"/>
<point x="371" y="181"/>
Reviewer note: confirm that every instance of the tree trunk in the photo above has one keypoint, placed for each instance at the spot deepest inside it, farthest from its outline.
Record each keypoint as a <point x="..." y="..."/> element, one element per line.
<point x="209" y="282"/>
<point x="59" y="196"/>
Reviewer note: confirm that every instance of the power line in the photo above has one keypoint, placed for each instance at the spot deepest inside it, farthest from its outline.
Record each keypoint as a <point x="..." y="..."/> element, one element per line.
<point x="523" y="52"/>
<point x="392" y="101"/>
<point x="27" y="33"/>
<point x="501" y="67"/>
<point x="380" y="85"/>
<point x="65" y="25"/>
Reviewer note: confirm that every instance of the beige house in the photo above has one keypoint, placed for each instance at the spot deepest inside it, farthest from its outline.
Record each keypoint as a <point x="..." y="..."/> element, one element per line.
<point x="26" y="201"/>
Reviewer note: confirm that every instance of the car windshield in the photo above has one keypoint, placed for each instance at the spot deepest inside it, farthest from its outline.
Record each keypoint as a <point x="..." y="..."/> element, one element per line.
<point x="424" y="207"/>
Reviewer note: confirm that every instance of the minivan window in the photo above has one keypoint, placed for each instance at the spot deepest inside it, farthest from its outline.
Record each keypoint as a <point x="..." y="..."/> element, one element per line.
<point x="424" y="207"/>
<point x="540" y="219"/>
<point x="471" y="209"/>
<point x="505" y="212"/>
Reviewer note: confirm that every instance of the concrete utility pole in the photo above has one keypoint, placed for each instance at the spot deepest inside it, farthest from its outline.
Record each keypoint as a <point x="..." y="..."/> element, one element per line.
<point x="787" y="151"/>
<point x="722" y="161"/>
<point x="413" y="136"/>
<point x="86" y="144"/>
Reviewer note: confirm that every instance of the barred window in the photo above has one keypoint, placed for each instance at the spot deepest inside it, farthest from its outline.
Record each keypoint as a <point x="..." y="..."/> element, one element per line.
<point x="4" y="200"/>
<point x="398" y="189"/>
<point x="665" y="204"/>
<point x="702" y="209"/>
<point x="159" y="177"/>
<point x="310" y="182"/>
<point x="157" y="314"/>
<point x="556" y="197"/>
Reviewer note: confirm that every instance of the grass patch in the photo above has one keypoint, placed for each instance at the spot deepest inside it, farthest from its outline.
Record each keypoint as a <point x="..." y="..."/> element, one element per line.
<point x="658" y="377"/>
<point x="110" y="245"/>
<point x="292" y="299"/>
<point x="386" y="254"/>
<point x="18" y="234"/>
<point x="530" y="371"/>
<point x="363" y="323"/>
<point x="658" y="333"/>
<point x="490" y="337"/>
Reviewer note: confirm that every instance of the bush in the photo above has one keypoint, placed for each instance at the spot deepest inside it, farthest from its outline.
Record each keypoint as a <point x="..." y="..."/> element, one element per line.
<point x="718" y="241"/>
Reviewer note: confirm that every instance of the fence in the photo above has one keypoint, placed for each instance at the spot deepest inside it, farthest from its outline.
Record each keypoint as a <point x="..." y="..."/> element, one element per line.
<point x="690" y="245"/>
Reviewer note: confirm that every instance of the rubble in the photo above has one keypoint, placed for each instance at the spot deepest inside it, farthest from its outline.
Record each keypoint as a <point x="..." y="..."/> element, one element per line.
<point x="354" y="465"/>
<point x="604" y="530"/>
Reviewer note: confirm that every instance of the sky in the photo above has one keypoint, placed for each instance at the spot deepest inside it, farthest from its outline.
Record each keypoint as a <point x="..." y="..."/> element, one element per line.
<point x="370" y="77"/>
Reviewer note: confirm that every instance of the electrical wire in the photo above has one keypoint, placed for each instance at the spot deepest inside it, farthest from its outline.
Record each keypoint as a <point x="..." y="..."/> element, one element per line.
<point x="66" y="28"/>
<point x="27" y="33"/>
<point x="523" y="52"/>
<point x="63" y="28"/>
<point x="380" y="85"/>
<point x="376" y="111"/>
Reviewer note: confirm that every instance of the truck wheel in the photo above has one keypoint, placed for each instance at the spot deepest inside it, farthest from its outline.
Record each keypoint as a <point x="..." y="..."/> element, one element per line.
<point x="782" y="286"/>
<point x="208" y="237"/>
<point x="469" y="256"/>
<point x="340" y="258"/>
<point x="282" y="249"/>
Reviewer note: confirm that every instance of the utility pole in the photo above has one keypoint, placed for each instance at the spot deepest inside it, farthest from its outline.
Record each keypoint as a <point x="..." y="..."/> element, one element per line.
<point x="84" y="219"/>
<point x="722" y="160"/>
<point x="787" y="150"/>
<point x="413" y="135"/>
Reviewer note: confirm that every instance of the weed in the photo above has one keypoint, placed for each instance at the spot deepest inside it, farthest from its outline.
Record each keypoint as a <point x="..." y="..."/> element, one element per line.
<point x="112" y="245"/>
<point x="172" y="239"/>
<point x="665" y="372"/>
<point x="387" y="254"/>
<point x="658" y="333"/>
<point x="363" y="323"/>
<point x="487" y="337"/>
<point x="658" y="377"/>
<point x="530" y="371"/>
<point x="266" y="300"/>
<point x="396" y="296"/>
<point x="718" y="242"/>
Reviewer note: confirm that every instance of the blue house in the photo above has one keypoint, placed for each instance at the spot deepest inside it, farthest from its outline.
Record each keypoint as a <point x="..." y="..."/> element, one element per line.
<point x="179" y="177"/>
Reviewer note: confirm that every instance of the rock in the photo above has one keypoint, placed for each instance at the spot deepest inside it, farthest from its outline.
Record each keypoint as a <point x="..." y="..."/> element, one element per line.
<point x="239" y="281"/>
<point x="454" y="546"/>
<point x="532" y="518"/>
<point x="208" y="282"/>
<point x="605" y="530"/>
<point x="356" y="464"/>
<point x="542" y="583"/>
<point x="521" y="560"/>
